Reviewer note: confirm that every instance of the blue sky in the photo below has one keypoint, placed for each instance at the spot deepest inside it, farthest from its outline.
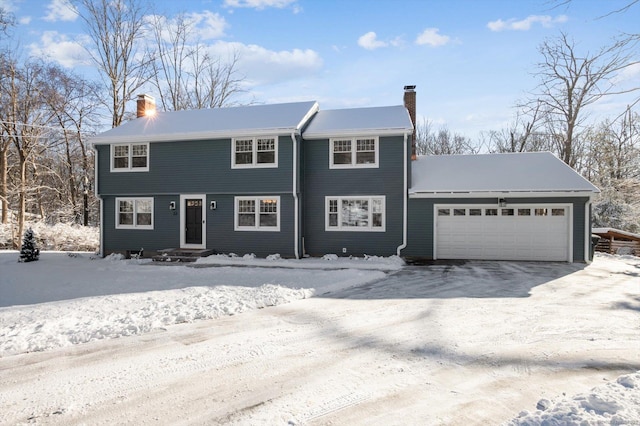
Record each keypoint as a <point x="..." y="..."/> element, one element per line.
<point x="470" y="60"/>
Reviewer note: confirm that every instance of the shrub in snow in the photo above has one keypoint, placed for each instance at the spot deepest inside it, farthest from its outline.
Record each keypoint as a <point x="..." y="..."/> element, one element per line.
<point x="330" y="257"/>
<point x="249" y="256"/>
<point x="29" y="251"/>
<point x="274" y="256"/>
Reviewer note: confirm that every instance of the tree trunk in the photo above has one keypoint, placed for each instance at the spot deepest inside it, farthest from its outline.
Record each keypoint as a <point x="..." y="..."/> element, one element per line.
<point x="4" y="197"/>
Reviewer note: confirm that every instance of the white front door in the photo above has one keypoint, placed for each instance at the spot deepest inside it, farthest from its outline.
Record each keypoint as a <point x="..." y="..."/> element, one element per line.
<point x="516" y="232"/>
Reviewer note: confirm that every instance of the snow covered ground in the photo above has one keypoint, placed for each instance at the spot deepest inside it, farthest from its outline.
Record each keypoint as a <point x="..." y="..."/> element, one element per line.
<point x="380" y="343"/>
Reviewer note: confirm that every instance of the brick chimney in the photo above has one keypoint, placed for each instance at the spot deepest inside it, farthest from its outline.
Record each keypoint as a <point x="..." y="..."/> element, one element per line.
<point x="410" y="105"/>
<point x="146" y="106"/>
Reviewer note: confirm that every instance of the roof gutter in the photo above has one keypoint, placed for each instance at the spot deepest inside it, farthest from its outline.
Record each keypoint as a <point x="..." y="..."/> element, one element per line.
<point x="506" y="193"/>
<point x="405" y="196"/>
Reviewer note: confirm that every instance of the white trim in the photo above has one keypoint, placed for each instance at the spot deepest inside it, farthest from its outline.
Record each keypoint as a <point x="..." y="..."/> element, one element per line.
<point x="296" y="201"/>
<point x="113" y="169"/>
<point x="501" y="194"/>
<point x="256" y="227"/>
<point x="354" y="152"/>
<point x="135" y="200"/>
<point x="254" y="147"/>
<point x="390" y="131"/>
<point x="369" y="228"/>
<point x="567" y="206"/>
<point x="404" y="201"/>
<point x="183" y="220"/>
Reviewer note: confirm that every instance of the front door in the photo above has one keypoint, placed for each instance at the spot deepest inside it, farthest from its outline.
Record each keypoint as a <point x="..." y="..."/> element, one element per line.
<point x="193" y="221"/>
<point x="193" y="225"/>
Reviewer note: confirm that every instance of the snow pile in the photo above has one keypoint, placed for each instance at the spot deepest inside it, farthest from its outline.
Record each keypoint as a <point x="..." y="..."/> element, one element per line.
<point x="614" y="403"/>
<point x="70" y="298"/>
<point x="50" y="325"/>
<point x="60" y="236"/>
<point x="328" y="261"/>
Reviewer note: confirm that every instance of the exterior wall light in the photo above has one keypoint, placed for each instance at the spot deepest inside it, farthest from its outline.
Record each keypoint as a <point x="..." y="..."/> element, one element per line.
<point x="172" y="205"/>
<point x="502" y="202"/>
<point x="213" y="205"/>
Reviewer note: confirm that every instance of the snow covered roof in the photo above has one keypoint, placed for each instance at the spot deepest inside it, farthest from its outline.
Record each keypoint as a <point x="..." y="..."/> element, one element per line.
<point x="530" y="172"/>
<point x="212" y="123"/>
<point x="379" y="121"/>
<point x="613" y="232"/>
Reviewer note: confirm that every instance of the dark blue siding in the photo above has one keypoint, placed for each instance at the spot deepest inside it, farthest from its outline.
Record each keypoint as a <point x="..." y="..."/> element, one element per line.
<point x="320" y="181"/>
<point x="421" y="232"/>
<point x="196" y="167"/>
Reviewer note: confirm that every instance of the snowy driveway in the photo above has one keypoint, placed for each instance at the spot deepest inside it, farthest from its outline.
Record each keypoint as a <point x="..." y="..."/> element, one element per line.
<point x="475" y="343"/>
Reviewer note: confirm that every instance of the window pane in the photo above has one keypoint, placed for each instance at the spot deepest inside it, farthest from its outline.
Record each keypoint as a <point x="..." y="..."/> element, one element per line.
<point x="365" y="158"/>
<point x="342" y="158"/>
<point x="143" y="219"/>
<point x="376" y="206"/>
<point x="244" y="145"/>
<point x="491" y="212"/>
<point x="524" y="212"/>
<point x="365" y="145"/>
<point x="333" y="206"/>
<point x="125" y="219"/>
<point x="121" y="163"/>
<point x="143" y="206"/>
<point x="121" y="151"/>
<point x="355" y="213"/>
<point x="246" y="219"/>
<point x="475" y="212"/>
<point x="126" y="206"/>
<point x="342" y="146"/>
<point x="246" y="206"/>
<point x="266" y="144"/>
<point x="376" y="219"/>
<point x="506" y="212"/>
<point x="557" y="212"/>
<point x="139" y="162"/>
<point x="266" y="157"/>
<point x="541" y="212"/>
<point x="459" y="212"/>
<point x="444" y="212"/>
<point x="139" y="150"/>
<point x="244" y="158"/>
<point x="268" y="206"/>
<point x="268" y="219"/>
<point x="333" y="219"/>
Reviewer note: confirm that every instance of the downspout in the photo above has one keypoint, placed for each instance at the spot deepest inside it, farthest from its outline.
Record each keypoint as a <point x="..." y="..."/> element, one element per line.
<point x="587" y="231"/>
<point x="296" y="201"/>
<point x="95" y="190"/>
<point x="405" y="196"/>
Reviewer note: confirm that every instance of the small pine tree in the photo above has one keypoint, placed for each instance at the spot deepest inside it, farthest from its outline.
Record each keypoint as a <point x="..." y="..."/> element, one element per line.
<point x="29" y="251"/>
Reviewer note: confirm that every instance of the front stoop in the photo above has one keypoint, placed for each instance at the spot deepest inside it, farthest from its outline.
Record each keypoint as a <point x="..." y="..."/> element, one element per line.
<point x="181" y="255"/>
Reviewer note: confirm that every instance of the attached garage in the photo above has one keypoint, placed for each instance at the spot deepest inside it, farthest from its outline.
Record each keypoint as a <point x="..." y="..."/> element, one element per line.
<point x="518" y="206"/>
<point x="520" y="232"/>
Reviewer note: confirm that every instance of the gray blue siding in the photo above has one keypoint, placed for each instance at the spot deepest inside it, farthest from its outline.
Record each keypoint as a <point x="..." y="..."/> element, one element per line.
<point x="320" y="181"/>
<point x="421" y="232"/>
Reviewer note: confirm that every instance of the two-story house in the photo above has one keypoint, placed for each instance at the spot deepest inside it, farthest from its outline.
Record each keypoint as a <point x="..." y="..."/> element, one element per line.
<point x="296" y="180"/>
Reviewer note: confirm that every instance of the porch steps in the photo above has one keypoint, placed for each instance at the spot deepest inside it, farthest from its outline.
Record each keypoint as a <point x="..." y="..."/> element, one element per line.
<point x="181" y="255"/>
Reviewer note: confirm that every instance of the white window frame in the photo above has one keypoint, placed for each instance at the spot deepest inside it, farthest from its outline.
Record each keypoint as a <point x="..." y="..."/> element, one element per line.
<point x="254" y="153"/>
<point x="256" y="227"/>
<point x="354" y="151"/>
<point x="130" y="168"/>
<point x="340" y="227"/>
<point x="135" y="201"/>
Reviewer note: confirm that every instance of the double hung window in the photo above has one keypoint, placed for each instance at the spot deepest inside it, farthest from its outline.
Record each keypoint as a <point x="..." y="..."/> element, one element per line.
<point x="134" y="213"/>
<point x="132" y="157"/>
<point x="257" y="213"/>
<point x="254" y="152"/>
<point x="353" y="152"/>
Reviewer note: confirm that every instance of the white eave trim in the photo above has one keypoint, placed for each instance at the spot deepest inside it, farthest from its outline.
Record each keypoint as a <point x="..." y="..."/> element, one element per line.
<point x="493" y="194"/>
<point x="173" y="137"/>
<point x="396" y="131"/>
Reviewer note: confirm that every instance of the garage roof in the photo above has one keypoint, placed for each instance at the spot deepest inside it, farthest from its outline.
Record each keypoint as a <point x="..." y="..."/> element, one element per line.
<point x="531" y="172"/>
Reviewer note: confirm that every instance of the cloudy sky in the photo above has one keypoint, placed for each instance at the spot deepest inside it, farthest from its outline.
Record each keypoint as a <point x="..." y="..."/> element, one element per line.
<point x="471" y="60"/>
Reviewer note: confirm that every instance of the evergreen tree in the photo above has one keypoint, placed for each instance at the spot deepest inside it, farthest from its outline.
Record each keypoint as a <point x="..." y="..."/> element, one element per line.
<point x="29" y="251"/>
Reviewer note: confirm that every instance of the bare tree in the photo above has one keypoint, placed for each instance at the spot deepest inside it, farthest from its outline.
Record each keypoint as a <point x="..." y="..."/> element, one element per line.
<point x="524" y="134"/>
<point x="570" y="82"/>
<point x="116" y="28"/>
<point x="442" y="141"/>
<point x="185" y="74"/>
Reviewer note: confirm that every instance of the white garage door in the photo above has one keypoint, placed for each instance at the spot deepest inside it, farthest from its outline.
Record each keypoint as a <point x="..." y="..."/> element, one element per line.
<point x="519" y="232"/>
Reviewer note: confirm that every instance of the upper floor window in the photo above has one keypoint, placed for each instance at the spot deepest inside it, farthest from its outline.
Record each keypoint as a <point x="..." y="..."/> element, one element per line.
<point x="257" y="213"/>
<point x="254" y="152"/>
<point x="133" y="157"/>
<point x="134" y="213"/>
<point x="353" y="152"/>
<point x="355" y="213"/>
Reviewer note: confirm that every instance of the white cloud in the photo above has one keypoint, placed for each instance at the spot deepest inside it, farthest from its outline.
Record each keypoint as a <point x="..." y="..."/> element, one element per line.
<point x="25" y="20"/>
<point x="9" y="5"/>
<point x="58" y="47"/>
<point x="259" y="65"/>
<point x="526" y="24"/>
<point x="262" y="4"/>
<point x="203" y="26"/>
<point x="61" y="10"/>
<point x="431" y="37"/>
<point x="370" y="41"/>
<point x="628" y="74"/>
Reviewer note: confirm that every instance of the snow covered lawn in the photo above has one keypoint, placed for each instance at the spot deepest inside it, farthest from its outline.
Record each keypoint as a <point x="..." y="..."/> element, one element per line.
<point x="474" y="343"/>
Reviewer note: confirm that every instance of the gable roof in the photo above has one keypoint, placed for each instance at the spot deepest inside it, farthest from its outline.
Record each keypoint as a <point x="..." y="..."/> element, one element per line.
<point x="529" y="172"/>
<point x="228" y="122"/>
<point x="378" y="121"/>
